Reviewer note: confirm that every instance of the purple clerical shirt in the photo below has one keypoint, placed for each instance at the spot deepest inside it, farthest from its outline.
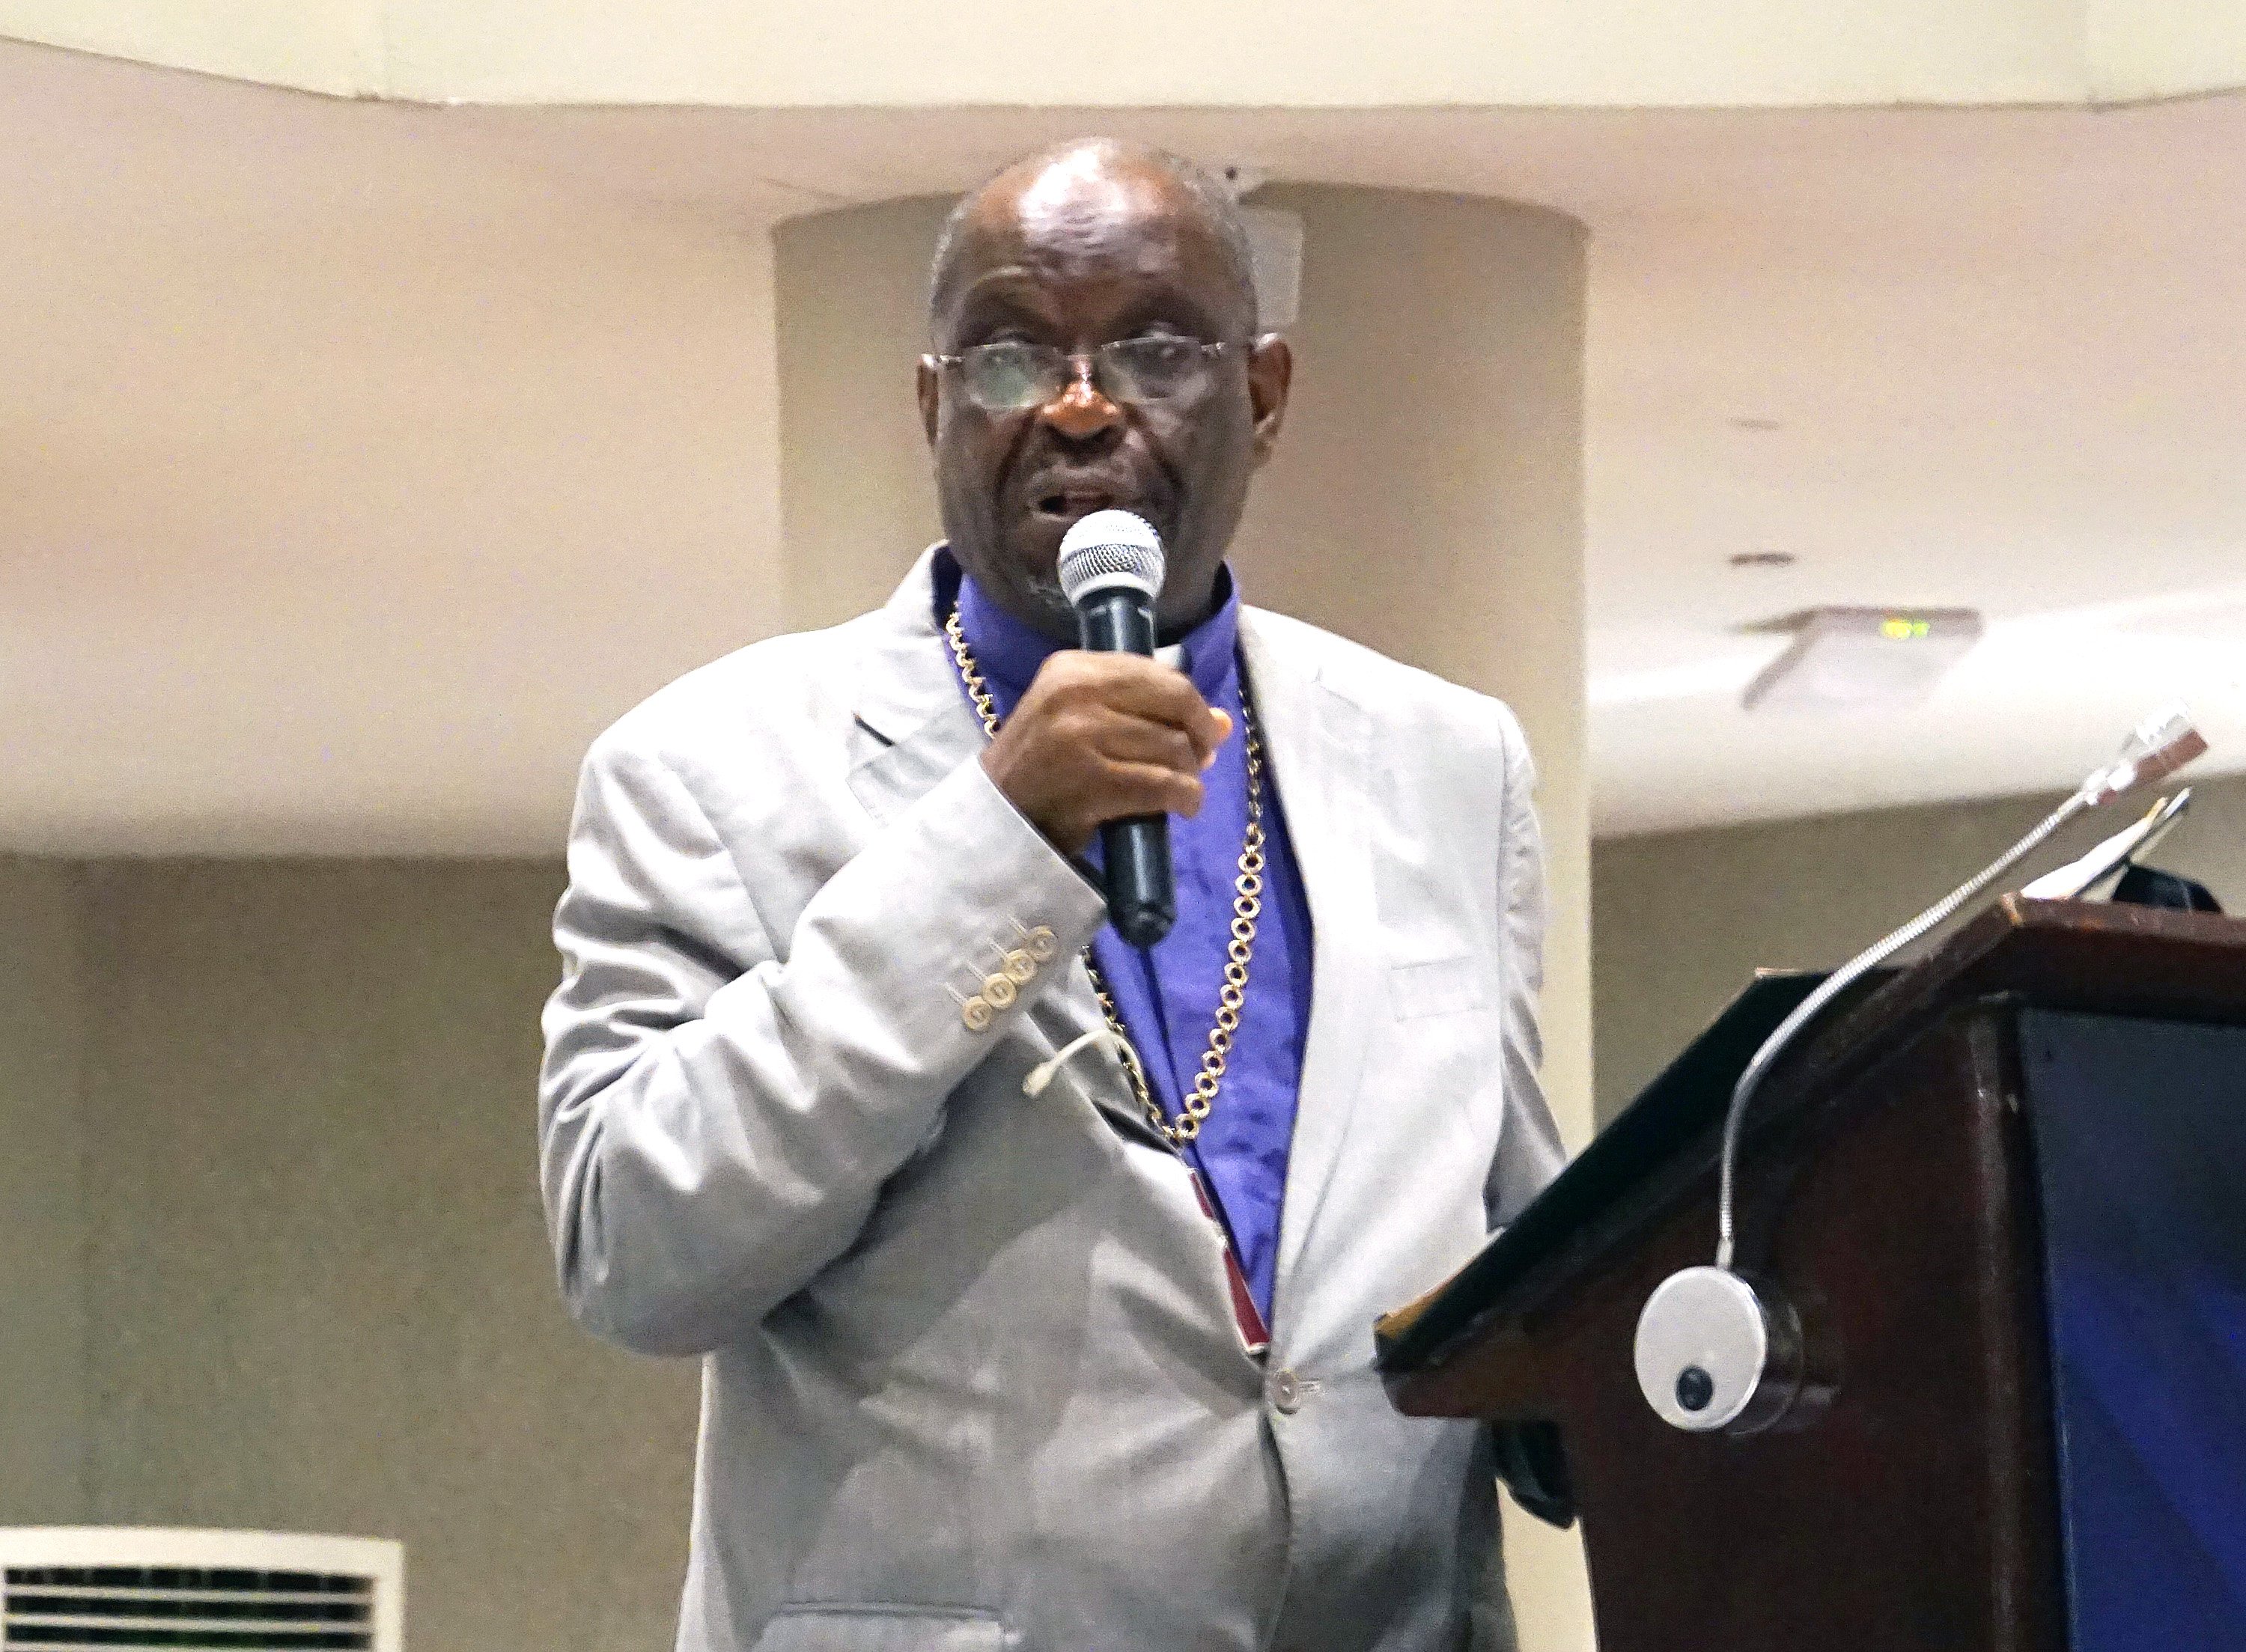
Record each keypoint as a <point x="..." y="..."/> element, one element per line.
<point x="1168" y="996"/>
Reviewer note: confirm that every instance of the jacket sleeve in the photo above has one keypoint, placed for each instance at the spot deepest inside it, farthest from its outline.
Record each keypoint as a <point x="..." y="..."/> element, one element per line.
<point x="1529" y="1152"/>
<point x="717" y="1113"/>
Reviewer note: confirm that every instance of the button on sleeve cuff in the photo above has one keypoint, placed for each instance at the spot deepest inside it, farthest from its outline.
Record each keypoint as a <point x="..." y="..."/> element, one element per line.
<point x="932" y="938"/>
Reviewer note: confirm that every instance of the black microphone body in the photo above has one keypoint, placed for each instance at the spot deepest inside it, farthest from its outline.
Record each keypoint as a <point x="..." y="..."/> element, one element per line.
<point x="1142" y="901"/>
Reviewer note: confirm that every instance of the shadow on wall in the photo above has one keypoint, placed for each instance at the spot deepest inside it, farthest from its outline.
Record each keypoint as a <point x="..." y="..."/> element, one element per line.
<point x="286" y="1232"/>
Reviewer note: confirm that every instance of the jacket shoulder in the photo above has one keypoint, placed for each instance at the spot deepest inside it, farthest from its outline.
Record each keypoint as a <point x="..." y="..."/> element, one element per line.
<point x="740" y="703"/>
<point x="1390" y="692"/>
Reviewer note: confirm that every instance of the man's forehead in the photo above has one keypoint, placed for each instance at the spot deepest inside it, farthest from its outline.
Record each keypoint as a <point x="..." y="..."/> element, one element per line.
<point x="1086" y="209"/>
<point x="1085" y="183"/>
<point x="1083" y="210"/>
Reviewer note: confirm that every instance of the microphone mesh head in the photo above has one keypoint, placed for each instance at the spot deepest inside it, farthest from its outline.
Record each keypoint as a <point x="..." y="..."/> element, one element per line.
<point x="1111" y="548"/>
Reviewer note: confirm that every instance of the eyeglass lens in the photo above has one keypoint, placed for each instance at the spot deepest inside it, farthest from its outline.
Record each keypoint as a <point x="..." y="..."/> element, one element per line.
<point x="1011" y="375"/>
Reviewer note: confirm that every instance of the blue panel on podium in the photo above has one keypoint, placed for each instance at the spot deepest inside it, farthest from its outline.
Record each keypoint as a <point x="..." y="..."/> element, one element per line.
<point x="2140" y="1131"/>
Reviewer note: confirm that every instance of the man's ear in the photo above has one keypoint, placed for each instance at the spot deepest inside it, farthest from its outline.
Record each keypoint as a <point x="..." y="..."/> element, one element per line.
<point x="930" y="388"/>
<point x="1270" y="371"/>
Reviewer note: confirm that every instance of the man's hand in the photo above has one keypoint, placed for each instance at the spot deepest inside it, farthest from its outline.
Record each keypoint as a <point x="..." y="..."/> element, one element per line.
<point x="1101" y="738"/>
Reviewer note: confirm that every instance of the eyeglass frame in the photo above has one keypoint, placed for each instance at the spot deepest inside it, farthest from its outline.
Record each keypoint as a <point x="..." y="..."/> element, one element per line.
<point x="1084" y="365"/>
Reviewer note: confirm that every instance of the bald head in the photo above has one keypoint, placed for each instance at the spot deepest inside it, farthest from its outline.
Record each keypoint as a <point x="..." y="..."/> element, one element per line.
<point x="1093" y="318"/>
<point x="1092" y="180"/>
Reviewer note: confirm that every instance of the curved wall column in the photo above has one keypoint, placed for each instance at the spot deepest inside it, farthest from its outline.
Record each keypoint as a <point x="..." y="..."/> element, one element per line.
<point x="857" y="496"/>
<point x="1427" y="500"/>
<point x="1427" y="495"/>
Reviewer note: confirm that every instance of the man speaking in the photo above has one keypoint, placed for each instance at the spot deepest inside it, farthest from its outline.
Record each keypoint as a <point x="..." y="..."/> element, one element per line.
<point x="1033" y="1274"/>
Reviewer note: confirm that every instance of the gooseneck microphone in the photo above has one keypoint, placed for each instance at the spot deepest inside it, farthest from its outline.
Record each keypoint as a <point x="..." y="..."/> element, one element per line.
<point x="1715" y="1350"/>
<point x="1110" y="571"/>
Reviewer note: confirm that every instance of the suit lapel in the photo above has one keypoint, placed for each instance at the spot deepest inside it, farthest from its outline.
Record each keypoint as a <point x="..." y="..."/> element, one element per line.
<point x="914" y="726"/>
<point x="1317" y="741"/>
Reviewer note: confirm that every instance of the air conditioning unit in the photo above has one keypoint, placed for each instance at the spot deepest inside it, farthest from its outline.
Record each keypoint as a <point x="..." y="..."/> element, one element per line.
<point x="70" y="1587"/>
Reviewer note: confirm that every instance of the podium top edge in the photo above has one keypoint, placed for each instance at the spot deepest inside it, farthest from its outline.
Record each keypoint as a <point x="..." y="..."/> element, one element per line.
<point x="2091" y="956"/>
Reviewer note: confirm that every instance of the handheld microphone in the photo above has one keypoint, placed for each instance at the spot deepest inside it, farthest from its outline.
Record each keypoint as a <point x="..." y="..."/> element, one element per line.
<point x="1110" y="571"/>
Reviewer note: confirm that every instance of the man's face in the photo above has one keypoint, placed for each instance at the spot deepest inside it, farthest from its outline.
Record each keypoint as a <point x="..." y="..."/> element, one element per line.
<point x="1090" y="249"/>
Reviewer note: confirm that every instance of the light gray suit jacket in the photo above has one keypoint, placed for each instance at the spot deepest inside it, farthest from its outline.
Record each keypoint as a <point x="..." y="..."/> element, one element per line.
<point x="972" y="1379"/>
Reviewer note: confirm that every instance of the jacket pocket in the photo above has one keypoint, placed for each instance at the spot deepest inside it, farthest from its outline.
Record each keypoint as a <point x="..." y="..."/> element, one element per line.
<point x="880" y="1627"/>
<point x="1434" y="987"/>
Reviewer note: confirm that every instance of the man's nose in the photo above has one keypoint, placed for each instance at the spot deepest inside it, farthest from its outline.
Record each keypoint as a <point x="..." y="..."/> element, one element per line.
<point x="1082" y="410"/>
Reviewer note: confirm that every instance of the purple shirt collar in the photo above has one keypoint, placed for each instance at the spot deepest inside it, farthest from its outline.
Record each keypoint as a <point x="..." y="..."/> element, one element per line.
<point x="1009" y="653"/>
<point x="1167" y="998"/>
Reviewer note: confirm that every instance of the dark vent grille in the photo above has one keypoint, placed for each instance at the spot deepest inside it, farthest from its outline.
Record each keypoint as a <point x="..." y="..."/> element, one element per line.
<point x="62" y="1606"/>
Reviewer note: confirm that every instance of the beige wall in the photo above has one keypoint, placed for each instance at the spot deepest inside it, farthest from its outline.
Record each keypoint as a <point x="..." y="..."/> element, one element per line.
<point x="315" y="1291"/>
<point x="43" y="1229"/>
<point x="1309" y="53"/>
<point x="1682" y="920"/>
<point x="857" y="493"/>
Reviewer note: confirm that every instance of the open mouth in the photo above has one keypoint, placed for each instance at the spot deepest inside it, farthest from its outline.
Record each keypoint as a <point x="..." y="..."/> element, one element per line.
<point x="1068" y="504"/>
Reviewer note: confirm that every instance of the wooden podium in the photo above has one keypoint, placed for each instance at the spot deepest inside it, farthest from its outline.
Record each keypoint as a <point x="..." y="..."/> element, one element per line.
<point x="2005" y="1194"/>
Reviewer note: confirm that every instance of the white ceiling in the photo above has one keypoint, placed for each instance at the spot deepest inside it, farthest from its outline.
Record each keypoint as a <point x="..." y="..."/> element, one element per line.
<point x="359" y="461"/>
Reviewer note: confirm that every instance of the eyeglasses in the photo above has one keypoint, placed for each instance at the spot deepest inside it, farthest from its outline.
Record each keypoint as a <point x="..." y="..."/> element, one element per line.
<point x="1011" y="376"/>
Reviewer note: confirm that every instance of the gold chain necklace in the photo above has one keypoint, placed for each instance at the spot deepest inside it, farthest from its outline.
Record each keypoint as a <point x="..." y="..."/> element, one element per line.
<point x="1247" y="907"/>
